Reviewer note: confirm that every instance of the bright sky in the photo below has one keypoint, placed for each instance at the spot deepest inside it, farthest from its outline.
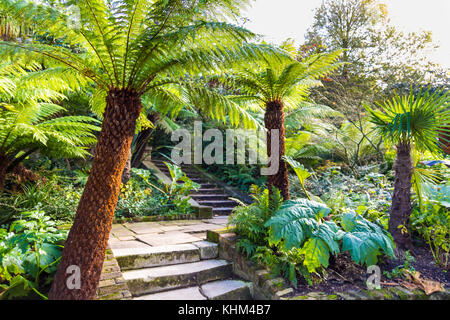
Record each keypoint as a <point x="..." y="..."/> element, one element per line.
<point x="282" y="19"/>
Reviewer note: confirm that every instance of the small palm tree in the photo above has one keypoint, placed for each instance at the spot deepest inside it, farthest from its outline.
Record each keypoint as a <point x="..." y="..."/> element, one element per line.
<point x="128" y="49"/>
<point x="276" y="87"/>
<point x="410" y="122"/>
<point x="30" y="119"/>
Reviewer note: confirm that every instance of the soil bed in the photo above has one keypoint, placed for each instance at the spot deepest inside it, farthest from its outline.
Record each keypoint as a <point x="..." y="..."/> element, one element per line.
<point x="344" y="275"/>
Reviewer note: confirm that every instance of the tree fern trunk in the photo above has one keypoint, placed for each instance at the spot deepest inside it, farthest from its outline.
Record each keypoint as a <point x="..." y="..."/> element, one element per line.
<point x="87" y="240"/>
<point x="274" y="119"/>
<point x="401" y="200"/>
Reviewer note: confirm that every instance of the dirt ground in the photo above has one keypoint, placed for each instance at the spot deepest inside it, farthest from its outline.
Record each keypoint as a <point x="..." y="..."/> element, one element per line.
<point x="344" y="275"/>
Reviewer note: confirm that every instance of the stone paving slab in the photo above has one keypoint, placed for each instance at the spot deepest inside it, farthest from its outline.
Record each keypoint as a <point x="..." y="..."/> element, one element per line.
<point x="200" y="227"/>
<point x="171" y="228"/>
<point x="173" y="237"/>
<point x="208" y="250"/>
<point x="161" y="233"/>
<point x="177" y="269"/>
<point x="136" y="258"/>
<point x="144" y="227"/>
<point x="117" y="244"/>
<point x="120" y="231"/>
<point x="126" y="238"/>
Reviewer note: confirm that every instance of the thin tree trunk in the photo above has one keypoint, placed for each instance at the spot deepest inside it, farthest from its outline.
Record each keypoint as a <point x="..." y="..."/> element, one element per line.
<point x="87" y="240"/>
<point x="142" y="139"/>
<point x="401" y="200"/>
<point x="3" y="167"/>
<point x="274" y="119"/>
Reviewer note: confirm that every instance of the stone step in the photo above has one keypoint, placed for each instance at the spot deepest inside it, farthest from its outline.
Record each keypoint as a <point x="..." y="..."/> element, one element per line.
<point x="138" y="258"/>
<point x="216" y="290"/>
<point x="218" y="203"/>
<point x="227" y="290"/>
<point x="222" y="211"/>
<point x="190" y="293"/>
<point x="208" y="185"/>
<point x="210" y="196"/>
<point x="207" y="191"/>
<point x="158" y="279"/>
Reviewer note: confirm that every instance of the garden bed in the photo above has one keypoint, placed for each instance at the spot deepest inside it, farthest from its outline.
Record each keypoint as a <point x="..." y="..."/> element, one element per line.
<point x="345" y="280"/>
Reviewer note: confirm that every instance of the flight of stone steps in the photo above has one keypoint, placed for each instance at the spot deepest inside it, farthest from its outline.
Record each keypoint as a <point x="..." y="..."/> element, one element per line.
<point x="190" y="271"/>
<point x="209" y="194"/>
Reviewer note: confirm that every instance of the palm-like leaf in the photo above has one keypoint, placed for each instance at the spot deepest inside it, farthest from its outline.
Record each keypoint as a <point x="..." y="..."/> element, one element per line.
<point x="127" y="44"/>
<point x="285" y="80"/>
<point x="415" y="118"/>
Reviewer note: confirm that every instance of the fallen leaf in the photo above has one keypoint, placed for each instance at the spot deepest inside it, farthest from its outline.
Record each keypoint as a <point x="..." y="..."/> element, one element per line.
<point x="428" y="286"/>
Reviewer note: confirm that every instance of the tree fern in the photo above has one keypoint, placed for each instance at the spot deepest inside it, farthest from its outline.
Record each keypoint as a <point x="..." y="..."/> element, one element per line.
<point x="31" y="121"/>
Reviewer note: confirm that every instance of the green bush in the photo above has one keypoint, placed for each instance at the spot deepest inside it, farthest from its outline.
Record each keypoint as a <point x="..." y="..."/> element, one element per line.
<point x="57" y="195"/>
<point x="294" y="237"/>
<point x="30" y="250"/>
<point x="145" y="195"/>
<point x="300" y="224"/>
<point x="432" y="222"/>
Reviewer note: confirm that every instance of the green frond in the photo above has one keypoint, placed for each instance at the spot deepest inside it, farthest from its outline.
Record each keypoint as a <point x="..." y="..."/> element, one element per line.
<point x="31" y="119"/>
<point x="415" y="117"/>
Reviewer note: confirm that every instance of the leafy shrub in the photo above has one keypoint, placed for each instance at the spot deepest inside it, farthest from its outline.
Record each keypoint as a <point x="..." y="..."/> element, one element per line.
<point x="240" y="176"/>
<point x="30" y="250"/>
<point x="250" y="219"/>
<point x="300" y="224"/>
<point x="432" y="222"/>
<point x="144" y="195"/>
<point x="249" y="222"/>
<point x="57" y="195"/>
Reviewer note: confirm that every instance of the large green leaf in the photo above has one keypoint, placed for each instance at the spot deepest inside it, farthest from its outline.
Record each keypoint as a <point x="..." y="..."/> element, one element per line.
<point x="295" y="221"/>
<point x="316" y="254"/>
<point x="361" y="247"/>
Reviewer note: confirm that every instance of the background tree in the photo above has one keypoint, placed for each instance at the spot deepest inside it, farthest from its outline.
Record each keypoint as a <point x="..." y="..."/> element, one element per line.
<point x="410" y="122"/>
<point x="377" y="55"/>
<point x="127" y="48"/>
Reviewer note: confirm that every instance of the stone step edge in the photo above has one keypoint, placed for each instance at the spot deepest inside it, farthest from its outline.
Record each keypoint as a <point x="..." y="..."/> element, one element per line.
<point x="265" y="285"/>
<point x="140" y="258"/>
<point x="145" y="284"/>
<point x="241" y="291"/>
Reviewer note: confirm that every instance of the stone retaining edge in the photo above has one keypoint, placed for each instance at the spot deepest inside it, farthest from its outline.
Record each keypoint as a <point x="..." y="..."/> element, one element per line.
<point x="265" y="287"/>
<point x="112" y="285"/>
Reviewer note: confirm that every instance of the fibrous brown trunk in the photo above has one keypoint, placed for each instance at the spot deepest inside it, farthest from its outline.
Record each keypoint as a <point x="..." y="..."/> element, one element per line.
<point x="87" y="240"/>
<point x="401" y="200"/>
<point x="274" y="119"/>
